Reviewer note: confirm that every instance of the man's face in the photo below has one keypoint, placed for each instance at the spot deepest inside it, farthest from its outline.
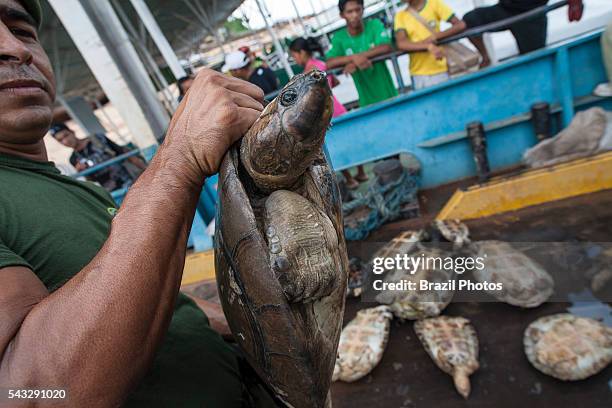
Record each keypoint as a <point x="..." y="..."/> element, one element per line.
<point x="67" y="138"/>
<point x="353" y="14"/>
<point x="27" y="86"/>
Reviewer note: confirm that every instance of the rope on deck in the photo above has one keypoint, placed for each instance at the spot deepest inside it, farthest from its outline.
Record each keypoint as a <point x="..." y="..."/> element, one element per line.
<point x="384" y="204"/>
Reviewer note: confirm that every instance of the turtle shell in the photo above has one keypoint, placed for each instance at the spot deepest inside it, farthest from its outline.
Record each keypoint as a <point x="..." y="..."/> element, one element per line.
<point x="525" y="282"/>
<point x="452" y="344"/>
<point x="362" y="343"/>
<point x="291" y="346"/>
<point x="568" y="347"/>
<point x="420" y="303"/>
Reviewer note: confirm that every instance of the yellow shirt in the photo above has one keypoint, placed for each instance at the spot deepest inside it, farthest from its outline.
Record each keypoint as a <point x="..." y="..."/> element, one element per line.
<point x="435" y="11"/>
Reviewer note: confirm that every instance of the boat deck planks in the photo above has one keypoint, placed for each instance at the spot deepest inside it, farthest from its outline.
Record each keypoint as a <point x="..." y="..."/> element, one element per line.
<point x="407" y="377"/>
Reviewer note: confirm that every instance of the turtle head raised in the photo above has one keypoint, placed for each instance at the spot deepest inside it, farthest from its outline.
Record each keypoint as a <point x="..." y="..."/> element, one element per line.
<point x="288" y="136"/>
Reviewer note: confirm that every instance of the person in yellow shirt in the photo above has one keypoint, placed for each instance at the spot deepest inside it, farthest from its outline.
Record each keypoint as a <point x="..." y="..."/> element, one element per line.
<point x="417" y="30"/>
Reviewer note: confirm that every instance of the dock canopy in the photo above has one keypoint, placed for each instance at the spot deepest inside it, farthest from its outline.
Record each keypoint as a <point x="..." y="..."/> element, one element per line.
<point x="185" y="23"/>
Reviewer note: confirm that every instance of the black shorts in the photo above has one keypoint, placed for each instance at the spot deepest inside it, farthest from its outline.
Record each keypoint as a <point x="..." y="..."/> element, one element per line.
<point x="530" y="35"/>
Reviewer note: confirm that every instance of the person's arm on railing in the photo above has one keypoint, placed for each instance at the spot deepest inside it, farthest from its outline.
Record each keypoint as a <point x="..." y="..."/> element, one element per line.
<point x="359" y="59"/>
<point x="382" y="45"/>
<point x="429" y="45"/>
<point x="458" y="26"/>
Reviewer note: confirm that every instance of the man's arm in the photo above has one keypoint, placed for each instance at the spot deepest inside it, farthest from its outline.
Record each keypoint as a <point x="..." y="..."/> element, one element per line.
<point x="360" y="57"/>
<point x="382" y="45"/>
<point x="458" y="26"/>
<point x="97" y="334"/>
<point x="404" y="43"/>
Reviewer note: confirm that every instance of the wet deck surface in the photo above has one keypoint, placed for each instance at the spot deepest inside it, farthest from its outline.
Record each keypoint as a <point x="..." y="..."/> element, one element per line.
<point x="407" y="377"/>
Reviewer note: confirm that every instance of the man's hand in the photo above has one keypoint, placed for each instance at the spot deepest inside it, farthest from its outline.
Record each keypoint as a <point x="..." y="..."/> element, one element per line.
<point x="574" y="10"/>
<point x="361" y="62"/>
<point x="214" y="114"/>
<point x="349" y="69"/>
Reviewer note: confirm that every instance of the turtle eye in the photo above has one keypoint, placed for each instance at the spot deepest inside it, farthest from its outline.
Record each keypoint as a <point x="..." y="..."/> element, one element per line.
<point x="288" y="97"/>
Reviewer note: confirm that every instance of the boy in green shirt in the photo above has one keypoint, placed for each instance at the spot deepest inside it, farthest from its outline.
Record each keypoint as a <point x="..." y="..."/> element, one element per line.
<point x="351" y="48"/>
<point x="354" y="46"/>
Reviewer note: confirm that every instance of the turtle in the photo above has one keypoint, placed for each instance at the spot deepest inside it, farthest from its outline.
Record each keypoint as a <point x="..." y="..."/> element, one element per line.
<point x="600" y="272"/>
<point x="568" y="347"/>
<point x="280" y="254"/>
<point x="416" y="304"/>
<point x="525" y="282"/>
<point x="362" y="344"/>
<point x="452" y="344"/>
<point x="453" y="231"/>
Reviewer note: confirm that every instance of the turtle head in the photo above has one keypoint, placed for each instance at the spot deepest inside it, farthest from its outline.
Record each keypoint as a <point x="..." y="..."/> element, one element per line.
<point x="288" y="136"/>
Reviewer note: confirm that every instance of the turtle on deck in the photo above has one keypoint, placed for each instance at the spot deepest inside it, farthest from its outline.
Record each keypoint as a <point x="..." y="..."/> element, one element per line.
<point x="280" y="253"/>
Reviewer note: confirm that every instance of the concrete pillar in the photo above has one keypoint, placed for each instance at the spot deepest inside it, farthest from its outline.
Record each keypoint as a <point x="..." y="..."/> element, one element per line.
<point x="279" y="48"/>
<point x="159" y="38"/>
<point x="104" y="44"/>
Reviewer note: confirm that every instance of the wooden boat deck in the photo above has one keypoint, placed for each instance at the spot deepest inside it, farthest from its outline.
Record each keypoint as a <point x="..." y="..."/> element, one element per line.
<point x="407" y="377"/>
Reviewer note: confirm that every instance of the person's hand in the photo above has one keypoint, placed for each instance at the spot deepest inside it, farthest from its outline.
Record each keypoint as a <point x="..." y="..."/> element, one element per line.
<point x="216" y="111"/>
<point x="432" y="39"/>
<point x="361" y="62"/>
<point x="574" y="10"/>
<point x="436" y="51"/>
<point x="349" y="69"/>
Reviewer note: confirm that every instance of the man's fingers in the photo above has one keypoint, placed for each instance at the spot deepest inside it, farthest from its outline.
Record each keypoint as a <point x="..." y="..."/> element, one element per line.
<point x="246" y="88"/>
<point x="246" y="101"/>
<point x="248" y="116"/>
<point x="206" y="77"/>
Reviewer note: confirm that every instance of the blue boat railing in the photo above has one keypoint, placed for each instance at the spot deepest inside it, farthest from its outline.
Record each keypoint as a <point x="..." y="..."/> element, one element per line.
<point x="473" y="32"/>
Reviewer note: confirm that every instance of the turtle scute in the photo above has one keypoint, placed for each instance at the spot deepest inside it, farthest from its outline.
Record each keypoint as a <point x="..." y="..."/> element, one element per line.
<point x="452" y="344"/>
<point x="568" y="347"/>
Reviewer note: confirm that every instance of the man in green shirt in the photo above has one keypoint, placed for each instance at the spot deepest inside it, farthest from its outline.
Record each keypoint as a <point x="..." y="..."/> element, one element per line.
<point x="89" y="295"/>
<point x="354" y="46"/>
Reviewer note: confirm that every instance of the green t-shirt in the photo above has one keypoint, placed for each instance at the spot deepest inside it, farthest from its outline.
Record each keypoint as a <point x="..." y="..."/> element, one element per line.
<point x="55" y="225"/>
<point x="373" y="84"/>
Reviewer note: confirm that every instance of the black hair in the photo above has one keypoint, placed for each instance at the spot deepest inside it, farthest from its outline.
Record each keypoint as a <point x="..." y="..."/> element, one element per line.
<point x="342" y="4"/>
<point x="181" y="81"/>
<point x="309" y="44"/>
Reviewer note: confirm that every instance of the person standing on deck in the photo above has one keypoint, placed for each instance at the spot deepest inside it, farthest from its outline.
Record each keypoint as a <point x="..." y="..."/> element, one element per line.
<point x="96" y="310"/>
<point x="530" y="34"/>
<point x="352" y="48"/>
<point x="302" y="51"/>
<point x="417" y="30"/>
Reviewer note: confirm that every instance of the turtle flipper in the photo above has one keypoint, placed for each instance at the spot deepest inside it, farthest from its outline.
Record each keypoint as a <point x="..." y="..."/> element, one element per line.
<point x="302" y="246"/>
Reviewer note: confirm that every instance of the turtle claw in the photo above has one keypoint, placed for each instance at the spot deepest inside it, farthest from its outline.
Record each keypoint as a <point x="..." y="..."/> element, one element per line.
<point x="300" y="287"/>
